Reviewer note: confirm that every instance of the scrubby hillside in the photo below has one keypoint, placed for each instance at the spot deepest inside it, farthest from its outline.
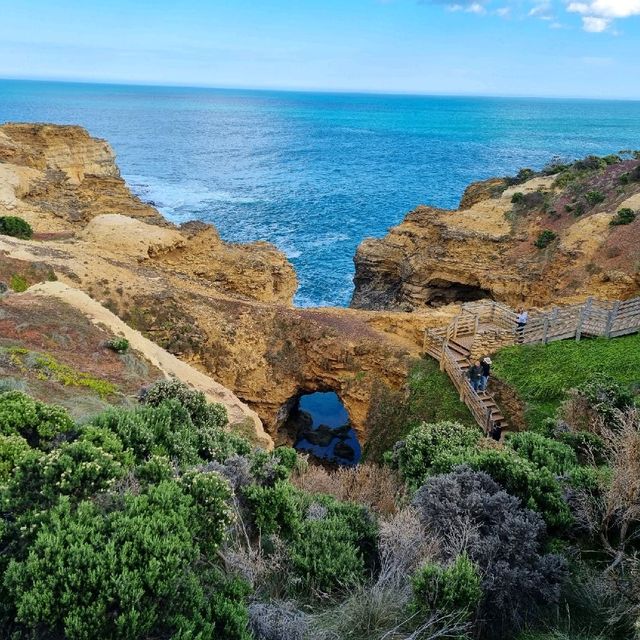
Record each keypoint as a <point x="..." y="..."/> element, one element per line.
<point x="155" y="522"/>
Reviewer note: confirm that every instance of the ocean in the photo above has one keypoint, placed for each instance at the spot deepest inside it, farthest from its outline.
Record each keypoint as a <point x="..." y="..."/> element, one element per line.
<point x="315" y="173"/>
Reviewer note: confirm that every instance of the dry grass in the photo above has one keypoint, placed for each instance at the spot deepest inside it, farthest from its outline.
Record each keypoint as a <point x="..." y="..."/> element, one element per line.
<point x="377" y="487"/>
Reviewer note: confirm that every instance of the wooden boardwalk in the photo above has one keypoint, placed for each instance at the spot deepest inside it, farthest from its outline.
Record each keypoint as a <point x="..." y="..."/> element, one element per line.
<point x="484" y="327"/>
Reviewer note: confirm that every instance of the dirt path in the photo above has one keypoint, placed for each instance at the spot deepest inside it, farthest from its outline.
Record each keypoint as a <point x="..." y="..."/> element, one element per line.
<point x="240" y="415"/>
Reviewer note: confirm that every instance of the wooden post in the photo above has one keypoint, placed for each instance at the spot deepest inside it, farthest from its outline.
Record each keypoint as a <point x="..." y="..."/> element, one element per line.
<point x="545" y="330"/>
<point x="584" y="312"/>
<point x="487" y="426"/>
<point x="611" y="318"/>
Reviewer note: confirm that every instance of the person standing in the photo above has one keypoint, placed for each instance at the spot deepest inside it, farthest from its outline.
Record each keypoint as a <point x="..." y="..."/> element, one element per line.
<point x="474" y="374"/>
<point x="486" y="372"/>
<point x="521" y="323"/>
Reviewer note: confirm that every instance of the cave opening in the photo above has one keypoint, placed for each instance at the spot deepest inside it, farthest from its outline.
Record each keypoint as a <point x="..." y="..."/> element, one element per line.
<point x="319" y="424"/>
<point x="444" y="292"/>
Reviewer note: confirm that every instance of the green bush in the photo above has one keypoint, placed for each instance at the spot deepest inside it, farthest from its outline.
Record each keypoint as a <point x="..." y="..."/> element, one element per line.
<point x="543" y="452"/>
<point x="16" y="227"/>
<point x="18" y="283"/>
<point x="605" y="395"/>
<point x="594" y="197"/>
<point x="588" y="447"/>
<point x="13" y="449"/>
<point x="427" y="444"/>
<point x="165" y="430"/>
<point x="274" y="509"/>
<point x="517" y="198"/>
<point x="545" y="238"/>
<point x="325" y="558"/>
<point x="450" y="590"/>
<point x="128" y="574"/>
<point x="119" y="345"/>
<point x="38" y="423"/>
<point x="624" y="216"/>
<point x="537" y="488"/>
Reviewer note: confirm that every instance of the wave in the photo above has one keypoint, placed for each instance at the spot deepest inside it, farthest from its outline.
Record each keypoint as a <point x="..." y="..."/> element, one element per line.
<point x="180" y="200"/>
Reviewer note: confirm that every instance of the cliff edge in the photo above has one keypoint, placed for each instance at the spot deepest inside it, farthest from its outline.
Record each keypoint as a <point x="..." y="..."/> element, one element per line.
<point x="536" y="239"/>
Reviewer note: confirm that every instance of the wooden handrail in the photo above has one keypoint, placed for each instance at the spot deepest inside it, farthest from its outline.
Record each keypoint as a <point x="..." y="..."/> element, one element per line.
<point x="594" y="318"/>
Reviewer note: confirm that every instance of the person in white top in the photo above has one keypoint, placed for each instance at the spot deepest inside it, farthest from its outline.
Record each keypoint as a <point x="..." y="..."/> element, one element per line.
<point x="521" y="323"/>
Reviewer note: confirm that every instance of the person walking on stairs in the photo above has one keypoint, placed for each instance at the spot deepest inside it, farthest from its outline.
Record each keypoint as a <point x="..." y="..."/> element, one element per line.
<point x="475" y="375"/>
<point x="521" y="323"/>
<point x="486" y="372"/>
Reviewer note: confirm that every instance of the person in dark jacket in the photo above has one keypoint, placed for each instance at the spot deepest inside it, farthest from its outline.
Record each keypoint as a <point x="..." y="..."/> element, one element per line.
<point x="486" y="372"/>
<point x="474" y="374"/>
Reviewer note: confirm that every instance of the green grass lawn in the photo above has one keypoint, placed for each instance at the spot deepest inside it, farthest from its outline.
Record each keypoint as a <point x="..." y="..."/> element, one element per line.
<point x="542" y="374"/>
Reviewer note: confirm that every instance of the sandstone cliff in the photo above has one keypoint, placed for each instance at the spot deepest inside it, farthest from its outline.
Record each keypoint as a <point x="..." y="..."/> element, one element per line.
<point x="487" y="248"/>
<point x="222" y="308"/>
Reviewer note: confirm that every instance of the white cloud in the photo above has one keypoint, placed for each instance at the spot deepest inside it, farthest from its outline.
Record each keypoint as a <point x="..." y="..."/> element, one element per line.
<point x="593" y="24"/>
<point x="607" y="8"/>
<point x="597" y="15"/>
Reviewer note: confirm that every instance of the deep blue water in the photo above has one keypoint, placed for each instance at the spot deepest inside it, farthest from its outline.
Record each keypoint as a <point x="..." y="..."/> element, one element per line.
<point x="316" y="173"/>
<point x="326" y="408"/>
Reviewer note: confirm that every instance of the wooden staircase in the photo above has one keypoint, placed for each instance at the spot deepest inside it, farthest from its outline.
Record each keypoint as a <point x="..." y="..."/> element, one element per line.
<point x="453" y="345"/>
<point x="459" y="351"/>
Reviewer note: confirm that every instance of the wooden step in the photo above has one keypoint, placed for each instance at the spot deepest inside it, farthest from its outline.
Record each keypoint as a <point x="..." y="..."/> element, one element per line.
<point x="459" y="348"/>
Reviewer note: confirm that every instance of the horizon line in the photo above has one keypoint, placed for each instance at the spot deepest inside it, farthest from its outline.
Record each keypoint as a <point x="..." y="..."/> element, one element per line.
<point x="327" y="91"/>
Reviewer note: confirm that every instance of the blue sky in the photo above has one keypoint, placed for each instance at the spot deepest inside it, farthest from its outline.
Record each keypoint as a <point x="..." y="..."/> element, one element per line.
<point x="585" y="48"/>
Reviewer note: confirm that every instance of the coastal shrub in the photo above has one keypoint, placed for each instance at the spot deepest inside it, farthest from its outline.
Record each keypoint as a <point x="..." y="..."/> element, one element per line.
<point x="537" y="488"/>
<point x="588" y="447"/>
<point x="126" y="574"/>
<point x="119" y="345"/>
<point x="274" y="509"/>
<point x="522" y="176"/>
<point x="15" y="227"/>
<point x="427" y="444"/>
<point x="545" y="238"/>
<point x="164" y="430"/>
<point x="517" y="197"/>
<point x="325" y="558"/>
<point x="469" y="513"/>
<point x="200" y="411"/>
<point x="35" y="421"/>
<point x="594" y="197"/>
<point x="605" y="396"/>
<point x="13" y="449"/>
<point x="624" y="216"/>
<point x="448" y="590"/>
<point x="18" y="283"/>
<point x="543" y="452"/>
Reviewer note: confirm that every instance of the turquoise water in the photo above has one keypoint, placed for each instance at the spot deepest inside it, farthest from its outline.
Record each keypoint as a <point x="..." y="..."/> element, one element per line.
<point x="316" y="173"/>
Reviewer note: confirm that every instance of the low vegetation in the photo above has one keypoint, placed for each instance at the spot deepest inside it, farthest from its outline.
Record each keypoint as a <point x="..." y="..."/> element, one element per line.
<point x="16" y="227"/>
<point x="545" y="238"/>
<point x="623" y="216"/>
<point x="157" y="522"/>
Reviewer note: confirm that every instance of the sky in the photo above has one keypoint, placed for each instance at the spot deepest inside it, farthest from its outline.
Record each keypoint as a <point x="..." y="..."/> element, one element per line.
<point x="563" y="48"/>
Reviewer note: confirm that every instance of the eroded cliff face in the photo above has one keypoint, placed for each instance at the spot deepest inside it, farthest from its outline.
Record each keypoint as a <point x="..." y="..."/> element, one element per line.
<point x="223" y="308"/>
<point x="487" y="248"/>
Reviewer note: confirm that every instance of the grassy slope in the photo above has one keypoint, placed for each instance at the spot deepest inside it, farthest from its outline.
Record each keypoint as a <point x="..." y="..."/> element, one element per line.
<point x="431" y="397"/>
<point x="542" y="374"/>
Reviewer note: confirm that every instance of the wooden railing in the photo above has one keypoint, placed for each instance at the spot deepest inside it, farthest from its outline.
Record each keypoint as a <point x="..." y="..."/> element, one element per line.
<point x="468" y="395"/>
<point x="592" y="318"/>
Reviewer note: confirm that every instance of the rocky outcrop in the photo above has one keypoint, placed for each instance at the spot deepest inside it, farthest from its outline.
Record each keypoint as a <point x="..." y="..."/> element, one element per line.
<point x="223" y="309"/>
<point x="489" y="248"/>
